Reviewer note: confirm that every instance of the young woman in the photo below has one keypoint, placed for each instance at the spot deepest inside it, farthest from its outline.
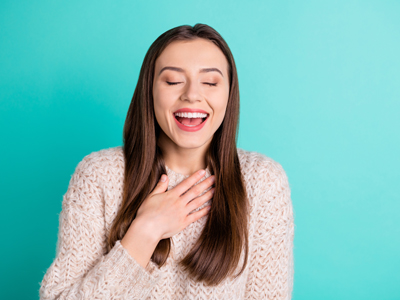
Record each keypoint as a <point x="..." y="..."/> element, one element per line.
<point x="178" y="212"/>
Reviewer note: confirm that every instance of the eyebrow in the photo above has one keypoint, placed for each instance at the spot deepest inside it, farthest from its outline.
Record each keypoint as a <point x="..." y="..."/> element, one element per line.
<point x="205" y="70"/>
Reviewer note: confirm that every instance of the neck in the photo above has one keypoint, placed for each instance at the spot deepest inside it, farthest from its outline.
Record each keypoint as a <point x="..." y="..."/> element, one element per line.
<point x="181" y="160"/>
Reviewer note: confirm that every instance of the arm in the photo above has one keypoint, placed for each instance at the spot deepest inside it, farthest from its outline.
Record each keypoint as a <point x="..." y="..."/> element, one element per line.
<point x="81" y="270"/>
<point x="271" y="260"/>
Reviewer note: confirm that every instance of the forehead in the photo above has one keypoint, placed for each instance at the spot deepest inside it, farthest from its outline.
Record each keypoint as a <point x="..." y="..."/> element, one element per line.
<point x="192" y="54"/>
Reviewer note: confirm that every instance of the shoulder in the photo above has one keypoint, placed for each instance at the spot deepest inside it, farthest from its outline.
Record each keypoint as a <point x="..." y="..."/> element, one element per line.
<point x="265" y="180"/>
<point x="267" y="186"/>
<point x="94" y="174"/>
<point x="99" y="162"/>
<point x="259" y="169"/>
<point x="98" y="168"/>
<point x="104" y="156"/>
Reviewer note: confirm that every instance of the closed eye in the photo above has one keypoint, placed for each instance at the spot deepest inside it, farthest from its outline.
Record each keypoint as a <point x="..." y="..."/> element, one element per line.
<point x="210" y="84"/>
<point x="172" y="83"/>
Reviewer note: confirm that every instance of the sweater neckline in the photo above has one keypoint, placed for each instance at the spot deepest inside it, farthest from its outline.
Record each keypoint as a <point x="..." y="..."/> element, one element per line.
<point x="172" y="175"/>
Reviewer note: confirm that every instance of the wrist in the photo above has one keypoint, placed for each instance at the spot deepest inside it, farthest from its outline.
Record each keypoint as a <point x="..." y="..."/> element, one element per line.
<point x="141" y="232"/>
<point x="140" y="242"/>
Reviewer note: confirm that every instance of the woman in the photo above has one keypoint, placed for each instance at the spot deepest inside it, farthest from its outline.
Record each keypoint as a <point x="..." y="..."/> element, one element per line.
<point x="178" y="212"/>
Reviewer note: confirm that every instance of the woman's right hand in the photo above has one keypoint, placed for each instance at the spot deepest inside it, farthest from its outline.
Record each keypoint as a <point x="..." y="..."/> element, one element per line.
<point x="165" y="213"/>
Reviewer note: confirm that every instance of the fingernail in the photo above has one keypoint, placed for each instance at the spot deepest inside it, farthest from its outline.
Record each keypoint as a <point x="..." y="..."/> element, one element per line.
<point x="213" y="178"/>
<point x="202" y="172"/>
<point x="163" y="178"/>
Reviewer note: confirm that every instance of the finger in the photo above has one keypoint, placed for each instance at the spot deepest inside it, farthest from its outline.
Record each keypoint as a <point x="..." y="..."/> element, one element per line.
<point x="193" y="217"/>
<point x="162" y="185"/>
<point x="188" y="182"/>
<point x="196" y="203"/>
<point x="198" y="189"/>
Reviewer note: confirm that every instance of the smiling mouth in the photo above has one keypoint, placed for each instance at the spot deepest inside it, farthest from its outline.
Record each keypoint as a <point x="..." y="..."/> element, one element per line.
<point x="190" y="122"/>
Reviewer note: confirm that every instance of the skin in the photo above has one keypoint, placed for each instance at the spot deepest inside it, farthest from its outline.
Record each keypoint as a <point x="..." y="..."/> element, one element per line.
<point x="184" y="151"/>
<point x="165" y="213"/>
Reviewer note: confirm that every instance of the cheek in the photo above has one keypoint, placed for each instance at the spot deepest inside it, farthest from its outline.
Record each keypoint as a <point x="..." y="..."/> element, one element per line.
<point x="160" y="107"/>
<point x="161" y="100"/>
<point x="163" y="96"/>
<point x="219" y="107"/>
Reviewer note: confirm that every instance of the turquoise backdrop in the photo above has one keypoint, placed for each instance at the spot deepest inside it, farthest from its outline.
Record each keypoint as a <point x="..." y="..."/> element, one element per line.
<point x="320" y="94"/>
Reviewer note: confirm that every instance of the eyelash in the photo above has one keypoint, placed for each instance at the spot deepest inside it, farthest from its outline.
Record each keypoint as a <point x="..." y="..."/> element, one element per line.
<point x="174" y="83"/>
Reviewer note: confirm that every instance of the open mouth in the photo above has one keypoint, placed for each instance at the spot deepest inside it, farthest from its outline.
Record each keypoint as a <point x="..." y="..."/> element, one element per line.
<point x="191" y="119"/>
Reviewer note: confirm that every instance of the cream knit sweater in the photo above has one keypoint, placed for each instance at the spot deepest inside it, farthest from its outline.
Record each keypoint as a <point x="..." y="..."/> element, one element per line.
<point x="81" y="270"/>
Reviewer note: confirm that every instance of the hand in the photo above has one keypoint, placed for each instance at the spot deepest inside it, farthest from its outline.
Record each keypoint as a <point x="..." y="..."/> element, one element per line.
<point x="167" y="212"/>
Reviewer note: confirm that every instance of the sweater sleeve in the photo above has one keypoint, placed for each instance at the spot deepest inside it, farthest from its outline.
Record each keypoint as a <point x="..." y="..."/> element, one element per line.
<point x="81" y="269"/>
<point x="271" y="259"/>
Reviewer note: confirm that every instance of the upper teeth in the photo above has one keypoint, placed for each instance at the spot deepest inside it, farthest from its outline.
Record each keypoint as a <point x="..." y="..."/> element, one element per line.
<point x="190" y="115"/>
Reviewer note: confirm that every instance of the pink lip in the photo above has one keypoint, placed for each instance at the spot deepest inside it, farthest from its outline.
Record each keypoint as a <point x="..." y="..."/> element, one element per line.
<point x="191" y="110"/>
<point x="190" y="129"/>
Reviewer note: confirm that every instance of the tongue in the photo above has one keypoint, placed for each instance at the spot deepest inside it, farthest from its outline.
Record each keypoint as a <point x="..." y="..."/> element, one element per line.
<point x="190" y="121"/>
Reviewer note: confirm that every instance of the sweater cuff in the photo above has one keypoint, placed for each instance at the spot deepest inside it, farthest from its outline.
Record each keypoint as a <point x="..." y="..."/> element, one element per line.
<point x="151" y="273"/>
<point x="137" y="280"/>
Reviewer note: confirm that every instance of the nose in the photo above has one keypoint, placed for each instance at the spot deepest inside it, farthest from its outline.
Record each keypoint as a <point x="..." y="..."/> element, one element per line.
<point x="191" y="92"/>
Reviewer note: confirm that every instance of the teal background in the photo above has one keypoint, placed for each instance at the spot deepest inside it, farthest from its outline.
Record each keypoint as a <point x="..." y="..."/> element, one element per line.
<point x="320" y="94"/>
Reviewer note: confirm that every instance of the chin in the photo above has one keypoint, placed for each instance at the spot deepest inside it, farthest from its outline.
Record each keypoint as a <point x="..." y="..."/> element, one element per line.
<point x="190" y="145"/>
<point x="186" y="142"/>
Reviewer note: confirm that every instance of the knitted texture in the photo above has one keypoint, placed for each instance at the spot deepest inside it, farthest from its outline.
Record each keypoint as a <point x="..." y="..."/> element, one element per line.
<point x="82" y="270"/>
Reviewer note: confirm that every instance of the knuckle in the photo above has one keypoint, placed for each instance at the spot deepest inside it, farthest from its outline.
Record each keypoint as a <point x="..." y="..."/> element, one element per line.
<point x="169" y="196"/>
<point x="198" y="189"/>
<point x="206" y="196"/>
<point x="188" y="182"/>
<point x="191" y="218"/>
<point x="195" y="203"/>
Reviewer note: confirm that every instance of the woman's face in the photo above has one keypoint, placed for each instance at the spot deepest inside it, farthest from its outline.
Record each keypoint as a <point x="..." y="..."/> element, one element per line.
<point x="190" y="76"/>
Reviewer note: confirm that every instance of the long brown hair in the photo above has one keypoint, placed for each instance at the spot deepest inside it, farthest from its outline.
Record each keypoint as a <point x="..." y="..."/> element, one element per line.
<point x="217" y="252"/>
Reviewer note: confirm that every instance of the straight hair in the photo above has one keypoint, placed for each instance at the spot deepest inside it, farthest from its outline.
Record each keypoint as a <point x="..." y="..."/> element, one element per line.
<point x="217" y="252"/>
